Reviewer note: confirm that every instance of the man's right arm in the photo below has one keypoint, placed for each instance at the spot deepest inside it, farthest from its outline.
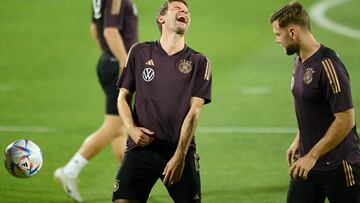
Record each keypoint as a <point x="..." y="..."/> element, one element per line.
<point x="124" y="102"/>
<point x="293" y="150"/>
<point x="141" y="136"/>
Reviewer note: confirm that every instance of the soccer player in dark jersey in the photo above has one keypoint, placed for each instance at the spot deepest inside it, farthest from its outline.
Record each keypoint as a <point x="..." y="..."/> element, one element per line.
<point x="171" y="83"/>
<point x="324" y="158"/>
<point x="114" y="28"/>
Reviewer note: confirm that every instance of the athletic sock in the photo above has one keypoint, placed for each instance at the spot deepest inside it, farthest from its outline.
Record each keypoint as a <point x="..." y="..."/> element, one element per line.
<point x="74" y="166"/>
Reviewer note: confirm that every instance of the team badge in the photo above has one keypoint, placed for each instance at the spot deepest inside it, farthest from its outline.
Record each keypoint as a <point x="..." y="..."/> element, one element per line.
<point x="116" y="185"/>
<point x="148" y="74"/>
<point x="308" y="76"/>
<point x="185" y="66"/>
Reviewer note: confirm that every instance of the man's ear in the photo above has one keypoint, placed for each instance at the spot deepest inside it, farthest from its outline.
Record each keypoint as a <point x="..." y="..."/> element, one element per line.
<point x="293" y="32"/>
<point x="161" y="19"/>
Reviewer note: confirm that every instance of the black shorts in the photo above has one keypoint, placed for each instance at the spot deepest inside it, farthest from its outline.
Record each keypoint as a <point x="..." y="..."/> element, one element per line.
<point x="141" y="168"/>
<point x="108" y="73"/>
<point x="339" y="186"/>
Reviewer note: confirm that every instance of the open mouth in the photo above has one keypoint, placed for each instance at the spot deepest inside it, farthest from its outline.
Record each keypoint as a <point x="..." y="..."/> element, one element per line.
<point x="181" y="19"/>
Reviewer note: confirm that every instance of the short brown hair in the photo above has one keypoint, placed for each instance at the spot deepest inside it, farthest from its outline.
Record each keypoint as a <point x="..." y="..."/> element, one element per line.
<point x="292" y="13"/>
<point x="164" y="8"/>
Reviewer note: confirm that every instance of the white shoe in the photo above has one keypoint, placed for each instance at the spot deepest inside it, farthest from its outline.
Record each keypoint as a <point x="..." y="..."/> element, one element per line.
<point x="69" y="183"/>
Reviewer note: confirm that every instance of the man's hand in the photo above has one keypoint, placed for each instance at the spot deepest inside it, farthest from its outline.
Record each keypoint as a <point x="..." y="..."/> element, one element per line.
<point x="292" y="152"/>
<point x="141" y="136"/>
<point x="301" y="168"/>
<point x="173" y="170"/>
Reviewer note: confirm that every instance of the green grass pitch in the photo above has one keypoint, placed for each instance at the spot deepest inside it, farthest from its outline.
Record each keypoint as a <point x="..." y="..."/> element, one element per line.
<point x="48" y="79"/>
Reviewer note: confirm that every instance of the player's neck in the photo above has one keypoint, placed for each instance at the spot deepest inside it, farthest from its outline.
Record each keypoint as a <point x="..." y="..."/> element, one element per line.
<point x="172" y="43"/>
<point x="308" y="47"/>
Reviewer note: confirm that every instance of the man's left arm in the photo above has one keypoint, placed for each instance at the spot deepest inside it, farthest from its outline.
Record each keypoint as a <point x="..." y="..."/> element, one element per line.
<point x="174" y="168"/>
<point x="341" y="126"/>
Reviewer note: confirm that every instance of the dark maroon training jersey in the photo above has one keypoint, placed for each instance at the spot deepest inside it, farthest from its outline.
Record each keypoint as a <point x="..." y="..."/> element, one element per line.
<point x="321" y="87"/>
<point x="163" y="86"/>
<point x="121" y="14"/>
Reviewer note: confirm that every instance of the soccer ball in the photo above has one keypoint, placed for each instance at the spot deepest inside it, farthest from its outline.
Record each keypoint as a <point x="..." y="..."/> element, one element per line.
<point x="23" y="158"/>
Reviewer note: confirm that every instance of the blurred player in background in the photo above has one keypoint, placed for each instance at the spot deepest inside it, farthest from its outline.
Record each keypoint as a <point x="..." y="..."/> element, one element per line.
<point x="171" y="83"/>
<point x="114" y="29"/>
<point x="324" y="157"/>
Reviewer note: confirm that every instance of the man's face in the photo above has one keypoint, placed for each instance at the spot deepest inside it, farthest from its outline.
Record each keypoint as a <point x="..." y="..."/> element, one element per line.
<point x="177" y="18"/>
<point x="284" y="37"/>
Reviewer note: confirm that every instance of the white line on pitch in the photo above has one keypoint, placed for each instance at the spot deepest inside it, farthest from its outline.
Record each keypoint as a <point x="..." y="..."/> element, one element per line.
<point x="317" y="13"/>
<point x="26" y="129"/>
<point x="4" y="88"/>
<point x="215" y="130"/>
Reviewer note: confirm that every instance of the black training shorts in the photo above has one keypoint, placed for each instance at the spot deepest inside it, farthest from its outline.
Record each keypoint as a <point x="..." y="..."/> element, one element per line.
<point x="142" y="167"/>
<point x="341" y="185"/>
<point x="108" y="73"/>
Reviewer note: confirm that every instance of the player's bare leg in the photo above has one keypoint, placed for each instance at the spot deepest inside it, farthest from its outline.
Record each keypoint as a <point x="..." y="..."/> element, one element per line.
<point x="118" y="145"/>
<point x="112" y="131"/>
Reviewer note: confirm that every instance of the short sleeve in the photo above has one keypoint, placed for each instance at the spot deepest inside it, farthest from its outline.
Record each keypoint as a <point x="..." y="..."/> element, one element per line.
<point x="203" y="80"/>
<point x="127" y="78"/>
<point x="335" y="83"/>
<point x="112" y="15"/>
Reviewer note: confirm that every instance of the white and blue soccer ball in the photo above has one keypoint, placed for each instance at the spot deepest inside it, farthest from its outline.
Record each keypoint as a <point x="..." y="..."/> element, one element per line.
<point x="23" y="158"/>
